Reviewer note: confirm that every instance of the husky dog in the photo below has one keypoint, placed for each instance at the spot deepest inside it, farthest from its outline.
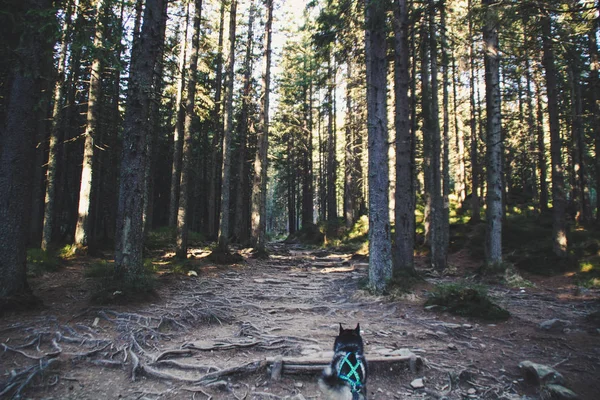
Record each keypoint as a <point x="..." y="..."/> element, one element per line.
<point x="346" y="377"/>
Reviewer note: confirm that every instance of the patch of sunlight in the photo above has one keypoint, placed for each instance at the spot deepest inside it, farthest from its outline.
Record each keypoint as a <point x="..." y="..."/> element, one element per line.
<point x="595" y="282"/>
<point x="569" y="274"/>
<point x="517" y="210"/>
<point x="586" y="267"/>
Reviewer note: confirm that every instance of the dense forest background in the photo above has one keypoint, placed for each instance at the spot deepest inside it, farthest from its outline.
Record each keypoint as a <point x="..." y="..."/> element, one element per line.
<point x="240" y="122"/>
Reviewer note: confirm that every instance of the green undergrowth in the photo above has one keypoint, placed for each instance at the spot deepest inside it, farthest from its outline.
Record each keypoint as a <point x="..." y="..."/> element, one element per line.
<point x="112" y="288"/>
<point x="402" y="284"/>
<point x="467" y="300"/>
<point x="41" y="261"/>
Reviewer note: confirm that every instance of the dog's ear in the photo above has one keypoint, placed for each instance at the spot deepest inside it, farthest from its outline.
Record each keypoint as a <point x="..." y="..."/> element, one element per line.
<point x="341" y="328"/>
<point x="357" y="329"/>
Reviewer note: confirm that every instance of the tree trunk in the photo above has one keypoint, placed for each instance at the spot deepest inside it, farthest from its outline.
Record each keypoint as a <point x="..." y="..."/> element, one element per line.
<point x="259" y="187"/>
<point x="439" y="247"/>
<point x="240" y="227"/>
<point x="380" y="257"/>
<point x="331" y="145"/>
<point x="186" y="165"/>
<point x="224" y="231"/>
<point x="541" y="153"/>
<point x="405" y="202"/>
<point x="445" y="217"/>
<point x="559" y="225"/>
<point x="461" y="185"/>
<point x="494" y="136"/>
<point x="178" y="133"/>
<point x="349" y="162"/>
<point x="307" y="176"/>
<point x="594" y="90"/>
<point x="130" y="230"/>
<point x="215" y="176"/>
<point x="83" y="230"/>
<point x="475" y="204"/>
<point x="17" y="147"/>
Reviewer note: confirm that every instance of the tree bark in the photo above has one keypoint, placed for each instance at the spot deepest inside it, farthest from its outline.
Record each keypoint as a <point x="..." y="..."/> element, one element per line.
<point x="224" y="231"/>
<point x="178" y="132"/>
<point x="494" y="135"/>
<point x="559" y="225"/>
<point x="475" y="203"/>
<point x="259" y="187"/>
<point x="17" y="148"/>
<point x="240" y="227"/>
<point x="83" y="230"/>
<point x="130" y="230"/>
<point x="380" y="257"/>
<point x="186" y="165"/>
<point x="405" y="202"/>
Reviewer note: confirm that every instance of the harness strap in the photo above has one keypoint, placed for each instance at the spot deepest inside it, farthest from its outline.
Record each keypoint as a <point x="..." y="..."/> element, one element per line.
<point x="352" y="377"/>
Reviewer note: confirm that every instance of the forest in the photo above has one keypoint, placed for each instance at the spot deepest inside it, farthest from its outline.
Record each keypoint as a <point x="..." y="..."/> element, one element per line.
<point x="172" y="169"/>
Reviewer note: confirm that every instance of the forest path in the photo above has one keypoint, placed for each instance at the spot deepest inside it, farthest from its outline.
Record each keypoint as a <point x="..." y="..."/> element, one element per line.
<point x="209" y="336"/>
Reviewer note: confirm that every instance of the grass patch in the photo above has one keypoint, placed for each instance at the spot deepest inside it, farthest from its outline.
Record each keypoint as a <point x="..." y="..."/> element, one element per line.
<point x="122" y="288"/>
<point x="67" y="252"/>
<point x="467" y="300"/>
<point x="41" y="261"/>
<point x="163" y="238"/>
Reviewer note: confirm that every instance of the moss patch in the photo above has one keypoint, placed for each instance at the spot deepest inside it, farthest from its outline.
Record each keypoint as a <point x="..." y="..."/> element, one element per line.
<point x="467" y="300"/>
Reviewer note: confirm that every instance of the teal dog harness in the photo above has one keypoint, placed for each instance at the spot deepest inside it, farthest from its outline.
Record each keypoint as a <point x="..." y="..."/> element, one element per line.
<point x="353" y="376"/>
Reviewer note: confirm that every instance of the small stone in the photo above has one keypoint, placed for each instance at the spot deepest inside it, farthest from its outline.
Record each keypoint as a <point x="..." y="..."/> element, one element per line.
<point x="417" y="384"/>
<point x="559" y="392"/>
<point x="472" y="391"/>
<point x="452" y="346"/>
<point x="555" y="325"/>
<point x="298" y="397"/>
<point x="298" y="384"/>
<point x="192" y="273"/>
<point x="432" y="307"/>
<point x="467" y="326"/>
<point x="539" y="373"/>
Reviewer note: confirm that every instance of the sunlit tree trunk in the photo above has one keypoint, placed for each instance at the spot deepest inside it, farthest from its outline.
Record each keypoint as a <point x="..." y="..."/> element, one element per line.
<point x="224" y="232"/>
<point x="541" y="153"/>
<point x="494" y="136"/>
<point x="259" y="187"/>
<point x="178" y="132"/>
<point x="445" y="217"/>
<point x="130" y="230"/>
<point x="594" y="90"/>
<point x="83" y="229"/>
<point x="405" y="202"/>
<point x="461" y="186"/>
<point x="186" y="165"/>
<point x="380" y="252"/>
<point x="559" y="225"/>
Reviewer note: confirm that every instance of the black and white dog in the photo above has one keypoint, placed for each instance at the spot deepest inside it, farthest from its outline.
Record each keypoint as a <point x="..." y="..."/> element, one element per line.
<point x="346" y="377"/>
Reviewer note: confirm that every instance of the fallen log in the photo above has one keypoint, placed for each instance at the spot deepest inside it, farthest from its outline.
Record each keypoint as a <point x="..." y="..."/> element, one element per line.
<point x="304" y="365"/>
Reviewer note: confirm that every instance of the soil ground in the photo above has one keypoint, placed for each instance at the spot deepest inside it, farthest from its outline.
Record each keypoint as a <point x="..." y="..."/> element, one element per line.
<point x="208" y="336"/>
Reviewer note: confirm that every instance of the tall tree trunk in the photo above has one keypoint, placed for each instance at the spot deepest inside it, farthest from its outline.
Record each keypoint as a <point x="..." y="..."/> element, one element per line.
<point x="541" y="153"/>
<point x="178" y="133"/>
<point x="55" y="131"/>
<point x="594" y="90"/>
<point x="531" y="187"/>
<point x="445" y="217"/>
<point x="579" y="150"/>
<point x="380" y="252"/>
<point x="461" y="185"/>
<point x="475" y="204"/>
<point x="129" y="241"/>
<point x="186" y="165"/>
<point x="404" y="239"/>
<point x="259" y="187"/>
<point x="427" y="129"/>
<point x="83" y="230"/>
<point x="331" y="145"/>
<point x="349" y="162"/>
<point x="224" y="231"/>
<point x="214" y="187"/>
<point x="559" y="223"/>
<point x="439" y="248"/>
<point x="17" y="148"/>
<point x="240" y="227"/>
<point x="154" y="128"/>
<point x="494" y="135"/>
<point x="307" y="176"/>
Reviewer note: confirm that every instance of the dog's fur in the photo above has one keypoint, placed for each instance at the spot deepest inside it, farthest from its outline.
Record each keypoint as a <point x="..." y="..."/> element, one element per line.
<point x="348" y="346"/>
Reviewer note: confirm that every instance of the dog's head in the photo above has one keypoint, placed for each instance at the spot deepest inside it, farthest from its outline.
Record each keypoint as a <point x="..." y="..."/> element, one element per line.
<point x="348" y="340"/>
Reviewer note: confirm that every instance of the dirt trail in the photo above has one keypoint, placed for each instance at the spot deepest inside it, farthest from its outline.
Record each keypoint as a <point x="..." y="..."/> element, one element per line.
<point x="209" y="336"/>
